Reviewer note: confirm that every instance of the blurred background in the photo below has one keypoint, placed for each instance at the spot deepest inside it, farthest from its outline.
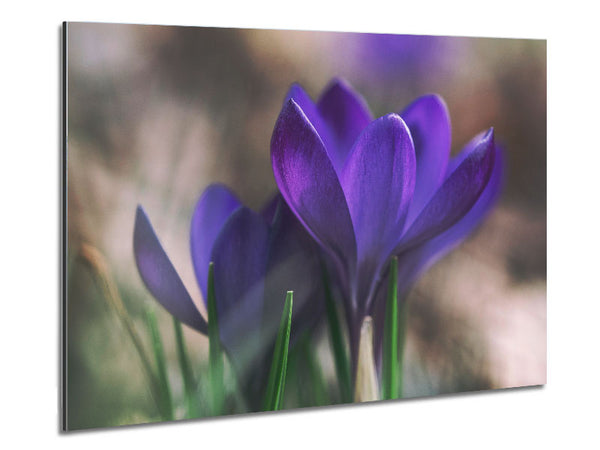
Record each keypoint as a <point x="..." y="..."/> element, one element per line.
<point x="156" y="113"/>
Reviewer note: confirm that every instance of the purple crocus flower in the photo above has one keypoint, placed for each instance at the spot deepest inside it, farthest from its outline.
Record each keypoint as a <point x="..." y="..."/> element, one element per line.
<point x="257" y="258"/>
<point x="369" y="189"/>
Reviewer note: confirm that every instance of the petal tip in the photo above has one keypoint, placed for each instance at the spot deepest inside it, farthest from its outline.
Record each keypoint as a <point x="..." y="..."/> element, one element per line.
<point x="289" y="107"/>
<point x="437" y="99"/>
<point x="297" y="93"/>
<point x="394" y="120"/>
<point x="294" y="88"/>
<point x="488" y="144"/>
<point x="338" y="83"/>
<point x="139" y="211"/>
<point x="340" y="88"/>
<point x="290" y="113"/>
<point x="393" y="117"/>
<point x="141" y="226"/>
<point x="216" y="188"/>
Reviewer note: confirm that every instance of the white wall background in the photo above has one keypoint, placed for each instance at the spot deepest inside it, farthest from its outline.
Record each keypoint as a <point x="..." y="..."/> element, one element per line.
<point x="562" y="413"/>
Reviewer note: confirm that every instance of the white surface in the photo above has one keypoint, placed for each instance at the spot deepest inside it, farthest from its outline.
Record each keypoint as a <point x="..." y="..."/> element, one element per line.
<point x="563" y="413"/>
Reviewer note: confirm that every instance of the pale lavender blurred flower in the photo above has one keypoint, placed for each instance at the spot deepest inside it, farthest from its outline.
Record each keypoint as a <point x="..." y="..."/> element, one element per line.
<point x="257" y="259"/>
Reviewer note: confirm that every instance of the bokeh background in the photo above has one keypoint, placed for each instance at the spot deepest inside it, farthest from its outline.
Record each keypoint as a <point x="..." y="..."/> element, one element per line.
<point x="157" y="113"/>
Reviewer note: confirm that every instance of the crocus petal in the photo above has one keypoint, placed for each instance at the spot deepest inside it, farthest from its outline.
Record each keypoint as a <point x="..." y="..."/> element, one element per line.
<point x="309" y="184"/>
<point x="240" y="256"/>
<point x="422" y="257"/>
<point x="428" y="120"/>
<point x="455" y="197"/>
<point x="269" y="209"/>
<point x="310" y="110"/>
<point x="160" y="277"/>
<point x="413" y="263"/>
<point x="346" y="114"/>
<point x="213" y="209"/>
<point x="293" y="265"/>
<point x="378" y="180"/>
<point x="479" y="211"/>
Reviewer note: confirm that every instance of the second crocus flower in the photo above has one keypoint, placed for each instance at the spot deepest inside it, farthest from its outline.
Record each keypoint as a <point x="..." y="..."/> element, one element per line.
<point x="257" y="258"/>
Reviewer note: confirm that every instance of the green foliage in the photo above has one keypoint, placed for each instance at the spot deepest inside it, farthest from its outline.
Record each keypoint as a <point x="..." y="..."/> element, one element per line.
<point x="215" y="351"/>
<point x="276" y="384"/>
<point x="390" y="369"/>
<point x="342" y="366"/>
<point x="189" y="384"/>
<point x="165" y="402"/>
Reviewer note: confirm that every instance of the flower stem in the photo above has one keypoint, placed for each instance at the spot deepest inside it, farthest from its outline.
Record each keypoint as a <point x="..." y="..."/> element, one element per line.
<point x="366" y="388"/>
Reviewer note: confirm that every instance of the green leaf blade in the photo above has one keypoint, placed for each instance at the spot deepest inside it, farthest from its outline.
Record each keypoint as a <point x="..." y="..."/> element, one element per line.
<point x="277" y="375"/>
<point x="342" y="366"/>
<point x="166" y="403"/>
<point x="402" y="329"/>
<point x="390" y="366"/>
<point x="189" y="384"/>
<point x="215" y="352"/>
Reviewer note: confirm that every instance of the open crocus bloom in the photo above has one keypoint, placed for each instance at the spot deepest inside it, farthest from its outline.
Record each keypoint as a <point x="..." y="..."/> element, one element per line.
<point x="369" y="189"/>
<point x="257" y="258"/>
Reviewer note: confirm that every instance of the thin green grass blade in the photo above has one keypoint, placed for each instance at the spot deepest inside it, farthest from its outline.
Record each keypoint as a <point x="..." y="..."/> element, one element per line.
<point x="95" y="262"/>
<point x="276" y="384"/>
<point x="402" y="329"/>
<point x="189" y="384"/>
<point x="390" y="370"/>
<point x="342" y="367"/>
<point x="215" y="352"/>
<point x="296" y="380"/>
<point x="159" y="355"/>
